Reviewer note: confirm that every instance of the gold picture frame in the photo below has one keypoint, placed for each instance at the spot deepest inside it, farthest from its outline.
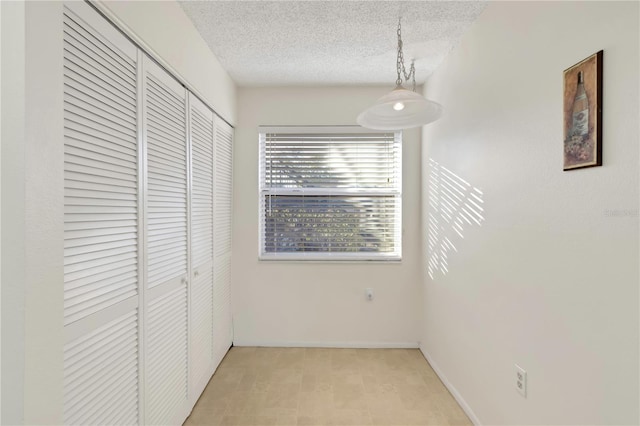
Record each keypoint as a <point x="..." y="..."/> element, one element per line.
<point x="583" y="113"/>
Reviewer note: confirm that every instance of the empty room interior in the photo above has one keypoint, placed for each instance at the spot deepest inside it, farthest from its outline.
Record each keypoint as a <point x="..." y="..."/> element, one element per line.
<point x="320" y="212"/>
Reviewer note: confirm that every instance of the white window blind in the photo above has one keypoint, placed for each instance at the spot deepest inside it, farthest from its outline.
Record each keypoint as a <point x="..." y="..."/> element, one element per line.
<point x="330" y="193"/>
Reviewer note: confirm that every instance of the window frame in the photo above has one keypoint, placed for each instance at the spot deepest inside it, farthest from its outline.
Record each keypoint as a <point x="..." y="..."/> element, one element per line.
<point x="319" y="256"/>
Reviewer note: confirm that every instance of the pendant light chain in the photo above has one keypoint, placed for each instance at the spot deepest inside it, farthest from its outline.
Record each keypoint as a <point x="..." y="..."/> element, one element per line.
<point x="402" y="71"/>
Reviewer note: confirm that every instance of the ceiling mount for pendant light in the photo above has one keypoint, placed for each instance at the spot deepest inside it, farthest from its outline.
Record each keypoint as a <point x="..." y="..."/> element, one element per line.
<point x="401" y="108"/>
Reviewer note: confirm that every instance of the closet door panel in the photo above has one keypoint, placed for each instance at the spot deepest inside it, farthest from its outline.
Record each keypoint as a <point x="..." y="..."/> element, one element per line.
<point x="101" y="370"/>
<point x="166" y="148"/>
<point x="223" y="203"/>
<point x="167" y="241"/>
<point x="222" y="325"/>
<point x="201" y="328"/>
<point x="101" y="184"/>
<point x="202" y="151"/>
<point x="223" y="187"/>
<point x="166" y="361"/>
<point x="101" y="221"/>
<point x="202" y="182"/>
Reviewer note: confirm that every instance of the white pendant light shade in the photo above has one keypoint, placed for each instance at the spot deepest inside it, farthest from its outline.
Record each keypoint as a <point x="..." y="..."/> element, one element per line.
<point x="400" y="109"/>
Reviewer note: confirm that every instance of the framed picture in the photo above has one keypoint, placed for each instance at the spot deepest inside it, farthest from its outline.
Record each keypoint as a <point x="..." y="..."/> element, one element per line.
<point x="583" y="113"/>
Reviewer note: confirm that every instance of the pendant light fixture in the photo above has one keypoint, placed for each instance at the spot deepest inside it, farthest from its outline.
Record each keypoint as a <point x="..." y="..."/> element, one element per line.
<point x="401" y="108"/>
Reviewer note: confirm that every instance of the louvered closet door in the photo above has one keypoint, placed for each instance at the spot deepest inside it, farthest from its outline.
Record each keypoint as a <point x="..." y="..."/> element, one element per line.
<point x="166" y="287"/>
<point x="101" y="231"/>
<point x="223" y="162"/>
<point x="202" y="140"/>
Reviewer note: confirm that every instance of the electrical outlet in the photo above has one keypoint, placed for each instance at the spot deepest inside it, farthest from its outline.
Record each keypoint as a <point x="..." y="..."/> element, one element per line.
<point x="521" y="380"/>
<point x="368" y="292"/>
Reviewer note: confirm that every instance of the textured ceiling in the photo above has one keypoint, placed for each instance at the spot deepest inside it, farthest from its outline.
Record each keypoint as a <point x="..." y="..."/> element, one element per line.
<point x="270" y="43"/>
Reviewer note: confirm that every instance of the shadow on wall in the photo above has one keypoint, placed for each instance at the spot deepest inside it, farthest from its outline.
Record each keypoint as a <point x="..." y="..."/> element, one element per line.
<point x="453" y="204"/>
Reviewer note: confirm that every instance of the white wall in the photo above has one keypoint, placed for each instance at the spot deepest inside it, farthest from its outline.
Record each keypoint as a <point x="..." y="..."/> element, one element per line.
<point x="288" y="303"/>
<point x="43" y="214"/>
<point x="163" y="28"/>
<point x="549" y="280"/>
<point x="12" y="100"/>
<point x="32" y="185"/>
<point x="32" y="196"/>
<point x="0" y="212"/>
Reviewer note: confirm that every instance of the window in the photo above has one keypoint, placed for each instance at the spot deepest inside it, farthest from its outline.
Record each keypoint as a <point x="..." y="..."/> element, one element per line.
<point x="330" y="193"/>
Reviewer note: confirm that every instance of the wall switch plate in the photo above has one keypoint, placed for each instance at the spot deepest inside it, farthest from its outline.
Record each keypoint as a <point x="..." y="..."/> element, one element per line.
<point x="368" y="292"/>
<point x="521" y="380"/>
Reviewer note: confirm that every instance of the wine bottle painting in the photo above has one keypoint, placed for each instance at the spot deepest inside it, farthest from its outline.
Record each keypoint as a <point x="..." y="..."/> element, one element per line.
<point x="583" y="113"/>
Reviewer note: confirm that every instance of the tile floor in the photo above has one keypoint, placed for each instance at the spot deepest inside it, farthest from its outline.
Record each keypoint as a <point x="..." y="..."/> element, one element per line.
<point x="316" y="386"/>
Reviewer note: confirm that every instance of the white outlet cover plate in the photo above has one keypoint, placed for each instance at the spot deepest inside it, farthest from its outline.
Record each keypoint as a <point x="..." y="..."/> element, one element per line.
<point x="369" y="293"/>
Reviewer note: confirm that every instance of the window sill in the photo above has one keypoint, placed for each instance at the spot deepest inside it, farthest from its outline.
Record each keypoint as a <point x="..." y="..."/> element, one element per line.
<point x="329" y="259"/>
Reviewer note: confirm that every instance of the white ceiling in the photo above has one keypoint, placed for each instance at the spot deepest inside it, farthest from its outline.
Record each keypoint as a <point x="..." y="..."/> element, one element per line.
<point x="276" y="43"/>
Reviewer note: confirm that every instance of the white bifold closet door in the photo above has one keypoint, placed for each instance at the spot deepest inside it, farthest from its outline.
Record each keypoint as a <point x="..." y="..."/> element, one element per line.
<point x="222" y="320"/>
<point x="201" y="126"/>
<point x="166" y="325"/>
<point x="101" y="222"/>
<point x="147" y="233"/>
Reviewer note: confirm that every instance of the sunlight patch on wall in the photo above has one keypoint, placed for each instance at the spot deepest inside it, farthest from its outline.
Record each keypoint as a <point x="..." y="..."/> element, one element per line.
<point x="453" y="205"/>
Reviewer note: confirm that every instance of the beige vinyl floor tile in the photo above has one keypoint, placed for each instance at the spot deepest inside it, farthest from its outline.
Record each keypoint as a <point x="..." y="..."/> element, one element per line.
<point x="325" y="387"/>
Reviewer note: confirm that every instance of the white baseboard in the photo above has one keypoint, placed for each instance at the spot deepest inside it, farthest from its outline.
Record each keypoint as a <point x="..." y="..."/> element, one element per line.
<point x="463" y="404"/>
<point x="307" y="344"/>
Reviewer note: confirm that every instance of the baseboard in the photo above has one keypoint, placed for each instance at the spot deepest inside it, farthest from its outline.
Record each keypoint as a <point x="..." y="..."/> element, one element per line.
<point x="311" y="344"/>
<point x="463" y="404"/>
